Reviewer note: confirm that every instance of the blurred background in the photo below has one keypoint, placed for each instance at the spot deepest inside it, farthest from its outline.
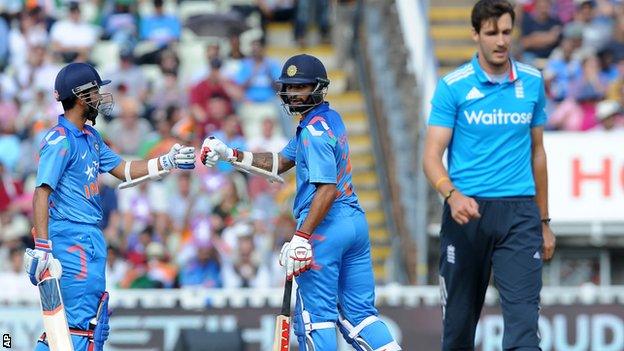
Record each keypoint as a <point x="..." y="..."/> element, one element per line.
<point x="192" y="259"/>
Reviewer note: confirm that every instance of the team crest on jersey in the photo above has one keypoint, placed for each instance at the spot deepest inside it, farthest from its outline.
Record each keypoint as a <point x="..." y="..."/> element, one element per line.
<point x="519" y="89"/>
<point x="291" y="71"/>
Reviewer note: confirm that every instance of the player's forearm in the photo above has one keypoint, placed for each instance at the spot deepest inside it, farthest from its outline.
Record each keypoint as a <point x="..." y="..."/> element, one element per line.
<point x="321" y="203"/>
<point x="137" y="169"/>
<point x="436" y="174"/>
<point x="264" y="160"/>
<point x="40" y="211"/>
<point x="540" y="174"/>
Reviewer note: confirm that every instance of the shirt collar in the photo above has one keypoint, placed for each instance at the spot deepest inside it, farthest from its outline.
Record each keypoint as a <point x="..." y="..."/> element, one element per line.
<point x="483" y="76"/>
<point x="70" y="126"/>
<point x="313" y="112"/>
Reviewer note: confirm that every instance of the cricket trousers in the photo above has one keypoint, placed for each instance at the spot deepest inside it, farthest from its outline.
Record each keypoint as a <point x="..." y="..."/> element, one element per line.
<point x="506" y="240"/>
<point x="81" y="249"/>
<point x="339" y="290"/>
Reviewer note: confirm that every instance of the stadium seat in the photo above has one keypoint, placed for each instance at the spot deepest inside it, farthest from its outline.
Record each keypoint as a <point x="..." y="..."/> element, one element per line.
<point x="105" y="55"/>
<point x="191" y="8"/>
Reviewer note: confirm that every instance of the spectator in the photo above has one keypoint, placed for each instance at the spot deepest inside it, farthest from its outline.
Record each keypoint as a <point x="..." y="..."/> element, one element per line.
<point x="10" y="189"/>
<point x="169" y="94"/>
<point x="305" y="9"/>
<point x="234" y="58"/>
<point x="246" y="268"/>
<point x="268" y="140"/>
<point x="120" y="26"/>
<point x="116" y="268"/>
<point x="4" y="43"/>
<point x="258" y="74"/>
<point x="616" y="44"/>
<point x="38" y="73"/>
<point x="275" y="11"/>
<point x="160" y="30"/>
<point x="213" y="52"/>
<point x="159" y="270"/>
<point x="15" y="283"/>
<point x="541" y="32"/>
<point x="230" y="131"/>
<point x="130" y="76"/>
<point x="128" y="129"/>
<point x="9" y="144"/>
<point x="597" y="27"/>
<point x="561" y="71"/>
<point x="609" y="115"/>
<point x="204" y="270"/>
<point x="616" y="88"/>
<point x="73" y="38"/>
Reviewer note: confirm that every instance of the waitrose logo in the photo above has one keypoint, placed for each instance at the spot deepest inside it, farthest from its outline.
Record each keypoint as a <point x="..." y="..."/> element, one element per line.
<point x="497" y="116"/>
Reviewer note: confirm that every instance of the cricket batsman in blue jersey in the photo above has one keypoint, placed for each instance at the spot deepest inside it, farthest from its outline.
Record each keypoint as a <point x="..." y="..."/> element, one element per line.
<point x="67" y="202"/>
<point x="489" y="116"/>
<point x="338" y="286"/>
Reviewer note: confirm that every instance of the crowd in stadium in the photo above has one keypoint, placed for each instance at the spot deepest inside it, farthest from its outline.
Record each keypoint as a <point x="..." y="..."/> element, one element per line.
<point x="219" y="228"/>
<point x="579" y="45"/>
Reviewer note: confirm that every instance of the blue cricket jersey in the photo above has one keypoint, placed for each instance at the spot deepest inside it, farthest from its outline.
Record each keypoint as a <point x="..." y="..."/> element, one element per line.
<point x="320" y="150"/>
<point x="69" y="162"/>
<point x="489" y="154"/>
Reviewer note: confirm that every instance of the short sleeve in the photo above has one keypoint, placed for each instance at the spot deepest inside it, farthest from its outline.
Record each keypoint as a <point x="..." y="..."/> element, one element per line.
<point x="54" y="156"/>
<point x="443" y="107"/>
<point x="290" y="150"/>
<point x="108" y="158"/>
<point x="318" y="147"/>
<point x="539" y="111"/>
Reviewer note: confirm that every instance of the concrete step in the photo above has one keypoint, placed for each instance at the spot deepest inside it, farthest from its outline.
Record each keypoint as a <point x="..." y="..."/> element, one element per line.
<point x="347" y="104"/>
<point x="325" y="53"/>
<point x="357" y="127"/>
<point x="375" y="218"/>
<point x="379" y="270"/>
<point x="454" y="54"/>
<point x="338" y="82"/>
<point x="362" y="162"/>
<point x="450" y="32"/>
<point x="380" y="252"/>
<point x="365" y="180"/>
<point x="450" y="14"/>
<point x="379" y="235"/>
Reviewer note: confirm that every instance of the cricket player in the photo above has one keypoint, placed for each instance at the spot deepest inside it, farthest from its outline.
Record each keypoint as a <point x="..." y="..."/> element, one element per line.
<point x="339" y="286"/>
<point x="66" y="202"/>
<point x="489" y="115"/>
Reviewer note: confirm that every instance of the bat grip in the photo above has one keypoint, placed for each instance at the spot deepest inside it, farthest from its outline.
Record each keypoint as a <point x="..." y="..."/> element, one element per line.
<point x="286" y="300"/>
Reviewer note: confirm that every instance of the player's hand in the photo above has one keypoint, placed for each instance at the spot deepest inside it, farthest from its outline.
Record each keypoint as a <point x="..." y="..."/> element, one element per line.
<point x="296" y="255"/>
<point x="463" y="208"/>
<point x="38" y="261"/>
<point x="548" y="247"/>
<point x="179" y="156"/>
<point x="214" y="150"/>
<point x="102" y="329"/>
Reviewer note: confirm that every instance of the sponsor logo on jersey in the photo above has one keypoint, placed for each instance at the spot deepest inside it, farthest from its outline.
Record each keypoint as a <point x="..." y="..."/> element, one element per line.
<point x="498" y="116"/>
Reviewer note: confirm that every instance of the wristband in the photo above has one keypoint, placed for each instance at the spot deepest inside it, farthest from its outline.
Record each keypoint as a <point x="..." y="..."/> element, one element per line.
<point x="546" y="220"/>
<point x="43" y="245"/>
<point x="127" y="171"/>
<point x="152" y="169"/>
<point x="303" y="234"/>
<point x="437" y="184"/>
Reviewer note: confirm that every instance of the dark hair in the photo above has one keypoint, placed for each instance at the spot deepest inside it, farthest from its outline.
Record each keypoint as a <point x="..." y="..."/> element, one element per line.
<point x="486" y="10"/>
<point x="69" y="103"/>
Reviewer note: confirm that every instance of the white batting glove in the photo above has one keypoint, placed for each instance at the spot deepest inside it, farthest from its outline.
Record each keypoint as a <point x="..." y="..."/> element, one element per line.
<point x="39" y="262"/>
<point x="296" y="255"/>
<point x="180" y="156"/>
<point x="214" y="150"/>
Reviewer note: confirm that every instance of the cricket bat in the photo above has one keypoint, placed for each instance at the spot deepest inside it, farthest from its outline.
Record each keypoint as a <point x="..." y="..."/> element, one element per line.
<point x="54" y="319"/>
<point x="281" y="340"/>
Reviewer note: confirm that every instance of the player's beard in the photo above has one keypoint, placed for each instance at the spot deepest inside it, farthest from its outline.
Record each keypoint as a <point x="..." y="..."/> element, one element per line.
<point x="91" y="113"/>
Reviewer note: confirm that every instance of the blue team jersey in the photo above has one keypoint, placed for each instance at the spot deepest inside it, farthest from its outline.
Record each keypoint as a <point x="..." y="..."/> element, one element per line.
<point x="69" y="162"/>
<point x="489" y="154"/>
<point x="320" y="150"/>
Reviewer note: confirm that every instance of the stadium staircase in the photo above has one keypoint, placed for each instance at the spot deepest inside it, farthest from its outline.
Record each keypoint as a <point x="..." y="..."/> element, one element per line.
<point x="350" y="103"/>
<point x="451" y="33"/>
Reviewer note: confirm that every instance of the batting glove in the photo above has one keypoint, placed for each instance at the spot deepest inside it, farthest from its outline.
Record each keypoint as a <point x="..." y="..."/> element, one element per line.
<point x="39" y="262"/>
<point x="214" y="150"/>
<point x="296" y="255"/>
<point x="179" y="156"/>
